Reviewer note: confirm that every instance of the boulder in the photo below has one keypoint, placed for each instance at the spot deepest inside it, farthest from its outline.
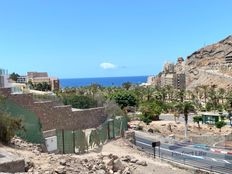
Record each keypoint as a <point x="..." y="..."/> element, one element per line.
<point x="133" y="160"/>
<point x="141" y="163"/>
<point x="118" y="165"/>
<point x="63" y="162"/>
<point x="100" y="171"/>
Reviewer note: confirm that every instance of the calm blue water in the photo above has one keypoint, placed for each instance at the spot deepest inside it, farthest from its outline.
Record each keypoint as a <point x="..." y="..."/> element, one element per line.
<point x="105" y="81"/>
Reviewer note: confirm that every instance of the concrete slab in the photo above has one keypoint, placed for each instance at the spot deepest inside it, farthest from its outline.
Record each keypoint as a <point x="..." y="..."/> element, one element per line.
<point x="11" y="163"/>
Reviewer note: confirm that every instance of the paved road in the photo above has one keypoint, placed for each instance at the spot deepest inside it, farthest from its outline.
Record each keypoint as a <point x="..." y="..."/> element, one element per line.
<point x="189" y="155"/>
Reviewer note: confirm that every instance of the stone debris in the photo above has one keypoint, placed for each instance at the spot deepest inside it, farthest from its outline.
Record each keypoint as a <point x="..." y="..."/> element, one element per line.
<point x="102" y="164"/>
<point x="18" y="143"/>
<point x="44" y="163"/>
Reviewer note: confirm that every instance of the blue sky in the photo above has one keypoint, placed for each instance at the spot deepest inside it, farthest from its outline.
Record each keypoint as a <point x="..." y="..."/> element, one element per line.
<point x="96" y="38"/>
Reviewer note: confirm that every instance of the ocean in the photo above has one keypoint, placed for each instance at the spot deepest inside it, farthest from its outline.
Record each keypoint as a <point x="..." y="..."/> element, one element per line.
<point x="104" y="81"/>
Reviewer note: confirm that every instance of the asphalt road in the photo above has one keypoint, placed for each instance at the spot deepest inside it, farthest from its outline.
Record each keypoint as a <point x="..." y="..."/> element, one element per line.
<point x="189" y="155"/>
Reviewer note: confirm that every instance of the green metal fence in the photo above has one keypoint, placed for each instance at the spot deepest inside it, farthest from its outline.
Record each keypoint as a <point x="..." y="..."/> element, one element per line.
<point x="32" y="127"/>
<point x="81" y="141"/>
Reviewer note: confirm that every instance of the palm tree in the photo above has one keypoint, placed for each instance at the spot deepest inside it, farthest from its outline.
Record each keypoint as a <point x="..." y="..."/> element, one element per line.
<point x="127" y="85"/>
<point x="213" y="96"/>
<point x="148" y="91"/>
<point x="184" y="108"/>
<point x="221" y="94"/>
<point x="169" y="90"/>
<point x="163" y="93"/>
<point x="94" y="88"/>
<point x="205" y="91"/>
<point x="180" y="94"/>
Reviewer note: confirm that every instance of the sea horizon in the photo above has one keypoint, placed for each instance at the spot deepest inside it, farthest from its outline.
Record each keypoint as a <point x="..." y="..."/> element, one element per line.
<point x="104" y="81"/>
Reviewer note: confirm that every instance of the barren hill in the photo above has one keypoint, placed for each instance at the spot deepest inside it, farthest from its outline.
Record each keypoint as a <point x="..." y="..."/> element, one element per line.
<point x="210" y="65"/>
<point x="213" y="54"/>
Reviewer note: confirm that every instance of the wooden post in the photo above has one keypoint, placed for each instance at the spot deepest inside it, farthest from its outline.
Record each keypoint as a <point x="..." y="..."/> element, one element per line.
<point x="63" y="140"/>
<point x="74" y="144"/>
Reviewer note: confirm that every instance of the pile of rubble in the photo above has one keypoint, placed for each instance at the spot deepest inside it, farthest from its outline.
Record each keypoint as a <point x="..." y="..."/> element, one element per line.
<point x="102" y="164"/>
<point x="38" y="162"/>
<point x="18" y="143"/>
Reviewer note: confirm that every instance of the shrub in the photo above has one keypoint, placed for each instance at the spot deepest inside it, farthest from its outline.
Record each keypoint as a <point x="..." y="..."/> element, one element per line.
<point x="124" y="99"/>
<point x="197" y="119"/>
<point x="150" y="111"/>
<point x="220" y="124"/>
<point x="80" y="101"/>
<point x="8" y="127"/>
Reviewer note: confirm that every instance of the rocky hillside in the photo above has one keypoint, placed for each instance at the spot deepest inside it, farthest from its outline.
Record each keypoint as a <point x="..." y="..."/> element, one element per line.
<point x="209" y="65"/>
<point x="211" y="54"/>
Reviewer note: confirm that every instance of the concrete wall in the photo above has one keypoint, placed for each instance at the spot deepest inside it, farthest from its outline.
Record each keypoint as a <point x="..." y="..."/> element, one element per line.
<point x="58" y="117"/>
<point x="211" y="140"/>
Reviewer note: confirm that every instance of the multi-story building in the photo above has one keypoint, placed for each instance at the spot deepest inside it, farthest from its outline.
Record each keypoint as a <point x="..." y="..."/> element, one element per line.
<point x="40" y="77"/>
<point x="180" y="81"/>
<point x="4" y="79"/>
<point x="172" y="75"/>
<point x="22" y="79"/>
<point x="167" y="79"/>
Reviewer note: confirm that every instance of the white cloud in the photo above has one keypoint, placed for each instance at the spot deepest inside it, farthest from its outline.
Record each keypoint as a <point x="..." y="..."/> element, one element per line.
<point x="106" y="65"/>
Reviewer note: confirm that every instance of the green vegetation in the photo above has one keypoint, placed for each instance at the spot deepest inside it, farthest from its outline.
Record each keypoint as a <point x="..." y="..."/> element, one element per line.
<point x="184" y="108"/>
<point x="80" y="101"/>
<point x="220" y="124"/>
<point x="197" y="119"/>
<point x="150" y="111"/>
<point x="124" y="99"/>
<point x="44" y="86"/>
<point x="14" y="76"/>
<point x="8" y="127"/>
<point x="149" y="100"/>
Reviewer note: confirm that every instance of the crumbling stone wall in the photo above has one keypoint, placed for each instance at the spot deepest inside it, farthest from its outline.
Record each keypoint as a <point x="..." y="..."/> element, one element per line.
<point x="58" y="117"/>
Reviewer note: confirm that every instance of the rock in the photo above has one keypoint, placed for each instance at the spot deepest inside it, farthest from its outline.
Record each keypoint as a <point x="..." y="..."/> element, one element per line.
<point x="60" y="170"/>
<point x="36" y="152"/>
<point x="63" y="162"/>
<point x="141" y="163"/>
<point x="150" y="130"/>
<point x="127" y="171"/>
<point x="133" y="160"/>
<point x="126" y="158"/>
<point x="117" y="165"/>
<point x="47" y="172"/>
<point x="100" y="171"/>
<point x="29" y="165"/>
<point x="111" y="162"/>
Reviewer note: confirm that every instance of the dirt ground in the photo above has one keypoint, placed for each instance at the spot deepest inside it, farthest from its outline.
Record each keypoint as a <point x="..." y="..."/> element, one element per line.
<point x="44" y="163"/>
<point x="167" y="128"/>
<point x="121" y="148"/>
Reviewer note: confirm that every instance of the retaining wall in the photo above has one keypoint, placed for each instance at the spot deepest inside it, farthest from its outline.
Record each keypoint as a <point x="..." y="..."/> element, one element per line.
<point x="58" y="117"/>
